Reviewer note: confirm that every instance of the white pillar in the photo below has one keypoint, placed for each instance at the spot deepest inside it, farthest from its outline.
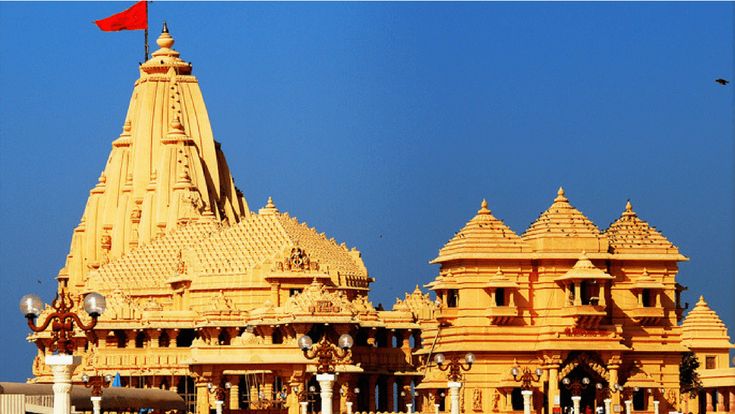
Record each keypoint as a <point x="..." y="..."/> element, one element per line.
<point x="96" y="405"/>
<point x="304" y="406"/>
<point x="655" y="407"/>
<point x="607" y="405"/>
<point x="575" y="400"/>
<point x="218" y="406"/>
<point x="454" y="396"/>
<point x="349" y="407"/>
<point x="436" y="408"/>
<point x="527" y="401"/>
<point x="628" y="406"/>
<point x="326" y="381"/>
<point x="408" y="408"/>
<point x="62" y="366"/>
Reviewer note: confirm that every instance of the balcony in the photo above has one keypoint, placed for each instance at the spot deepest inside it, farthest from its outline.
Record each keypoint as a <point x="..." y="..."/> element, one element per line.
<point x="502" y="315"/>
<point x="647" y="315"/>
<point x="446" y="315"/>
<point x="585" y="316"/>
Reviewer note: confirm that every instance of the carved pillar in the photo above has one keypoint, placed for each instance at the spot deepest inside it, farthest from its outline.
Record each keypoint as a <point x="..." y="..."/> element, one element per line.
<point x="153" y="335"/>
<point x="174" y="386"/>
<point x="234" y="392"/>
<point x="202" y="406"/>
<point x="62" y="367"/>
<point x="731" y="400"/>
<point x="268" y="387"/>
<point x="173" y="338"/>
<point x="709" y="394"/>
<point x="276" y="293"/>
<point x="720" y="399"/>
<point x="577" y="295"/>
<point x="553" y="387"/>
<point x="601" y="294"/>
<point x="613" y="365"/>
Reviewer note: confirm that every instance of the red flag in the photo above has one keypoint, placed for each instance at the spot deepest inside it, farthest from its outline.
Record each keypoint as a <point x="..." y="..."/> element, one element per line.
<point x="134" y="18"/>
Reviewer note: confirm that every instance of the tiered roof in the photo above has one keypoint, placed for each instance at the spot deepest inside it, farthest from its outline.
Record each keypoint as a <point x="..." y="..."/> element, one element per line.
<point x="483" y="235"/>
<point x="630" y="234"/>
<point x="562" y="221"/>
<point x="207" y="248"/>
<point x="702" y="328"/>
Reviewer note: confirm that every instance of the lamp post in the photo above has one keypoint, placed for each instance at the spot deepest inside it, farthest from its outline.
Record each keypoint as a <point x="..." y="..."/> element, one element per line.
<point x="220" y="395"/>
<point x="328" y="356"/>
<point x="525" y="376"/>
<point x="455" y="368"/>
<point x="62" y="321"/>
<point x="606" y="393"/>
<point x="576" y="388"/>
<point x="96" y="383"/>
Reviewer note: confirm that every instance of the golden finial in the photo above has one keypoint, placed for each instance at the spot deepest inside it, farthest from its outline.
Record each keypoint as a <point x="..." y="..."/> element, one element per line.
<point x="127" y="126"/>
<point x="628" y="209"/>
<point x="270" y="203"/>
<point x="483" y="208"/>
<point x="560" y="195"/>
<point x="176" y="125"/>
<point x="165" y="41"/>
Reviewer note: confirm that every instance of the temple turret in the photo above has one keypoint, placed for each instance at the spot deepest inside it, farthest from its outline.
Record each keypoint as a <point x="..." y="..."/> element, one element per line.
<point x="164" y="170"/>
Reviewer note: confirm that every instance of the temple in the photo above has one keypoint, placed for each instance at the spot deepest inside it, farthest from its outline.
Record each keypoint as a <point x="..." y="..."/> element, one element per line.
<point x="202" y="290"/>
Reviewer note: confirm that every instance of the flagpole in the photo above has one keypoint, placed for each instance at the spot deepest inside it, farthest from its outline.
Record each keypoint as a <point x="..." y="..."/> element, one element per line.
<point x="146" y="30"/>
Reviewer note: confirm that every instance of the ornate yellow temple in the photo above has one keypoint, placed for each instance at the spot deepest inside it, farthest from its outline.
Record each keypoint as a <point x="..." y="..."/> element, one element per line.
<point x="201" y="290"/>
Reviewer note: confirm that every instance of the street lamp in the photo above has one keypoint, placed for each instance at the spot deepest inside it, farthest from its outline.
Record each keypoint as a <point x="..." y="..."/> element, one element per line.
<point x="62" y="321"/>
<point x="606" y="393"/>
<point x="220" y="395"/>
<point x="96" y="383"/>
<point x="576" y="388"/>
<point x="525" y="376"/>
<point x="349" y="396"/>
<point x="455" y="368"/>
<point x="328" y="356"/>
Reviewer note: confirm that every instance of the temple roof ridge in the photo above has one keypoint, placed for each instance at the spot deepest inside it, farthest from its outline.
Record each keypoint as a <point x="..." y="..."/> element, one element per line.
<point x="629" y="233"/>
<point x="484" y="233"/>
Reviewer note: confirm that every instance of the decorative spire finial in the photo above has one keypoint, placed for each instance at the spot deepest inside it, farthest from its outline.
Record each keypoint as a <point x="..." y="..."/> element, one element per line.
<point x="628" y="209"/>
<point x="165" y="41"/>
<point x="560" y="195"/>
<point x="483" y="208"/>
<point x="270" y="203"/>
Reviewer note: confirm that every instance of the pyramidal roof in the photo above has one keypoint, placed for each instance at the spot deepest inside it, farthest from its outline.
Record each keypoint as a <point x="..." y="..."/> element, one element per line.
<point x="702" y="328"/>
<point x="555" y="229"/>
<point x="630" y="234"/>
<point x="249" y="249"/>
<point x="483" y="234"/>
<point x="164" y="170"/>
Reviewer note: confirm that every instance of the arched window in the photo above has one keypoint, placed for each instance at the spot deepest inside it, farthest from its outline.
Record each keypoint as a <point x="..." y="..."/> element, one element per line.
<point x="277" y="337"/>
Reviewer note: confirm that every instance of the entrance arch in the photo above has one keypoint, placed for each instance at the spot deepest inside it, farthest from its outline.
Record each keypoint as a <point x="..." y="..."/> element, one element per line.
<point x="577" y="367"/>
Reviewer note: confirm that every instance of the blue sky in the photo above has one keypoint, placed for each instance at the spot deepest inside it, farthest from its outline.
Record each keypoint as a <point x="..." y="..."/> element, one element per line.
<point x="385" y="124"/>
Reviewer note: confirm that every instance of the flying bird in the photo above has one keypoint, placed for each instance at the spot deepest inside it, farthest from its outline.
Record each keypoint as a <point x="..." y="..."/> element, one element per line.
<point x="722" y="81"/>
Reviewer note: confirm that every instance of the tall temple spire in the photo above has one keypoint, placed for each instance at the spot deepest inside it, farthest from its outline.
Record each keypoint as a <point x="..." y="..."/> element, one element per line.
<point x="164" y="170"/>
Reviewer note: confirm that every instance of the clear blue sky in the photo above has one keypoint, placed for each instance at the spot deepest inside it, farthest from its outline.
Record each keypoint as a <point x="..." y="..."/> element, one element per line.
<point x="385" y="124"/>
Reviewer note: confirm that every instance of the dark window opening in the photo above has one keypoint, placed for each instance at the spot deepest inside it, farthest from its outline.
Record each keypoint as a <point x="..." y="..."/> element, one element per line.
<point x="639" y="400"/>
<point x="589" y="290"/>
<point x="185" y="338"/>
<point x="120" y="339"/>
<point x="710" y="362"/>
<point x="277" y="337"/>
<point x="224" y="337"/>
<point x="452" y="298"/>
<point x="500" y="297"/>
<point x="164" y="341"/>
<point x="516" y="399"/>
<point x="140" y="339"/>
<point x="294" y="291"/>
<point x="647" y="298"/>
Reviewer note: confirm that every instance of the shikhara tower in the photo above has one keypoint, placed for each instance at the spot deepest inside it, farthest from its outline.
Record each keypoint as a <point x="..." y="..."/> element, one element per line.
<point x="201" y="289"/>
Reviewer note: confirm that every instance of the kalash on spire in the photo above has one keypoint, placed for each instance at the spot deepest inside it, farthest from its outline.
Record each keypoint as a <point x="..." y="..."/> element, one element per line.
<point x="164" y="170"/>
